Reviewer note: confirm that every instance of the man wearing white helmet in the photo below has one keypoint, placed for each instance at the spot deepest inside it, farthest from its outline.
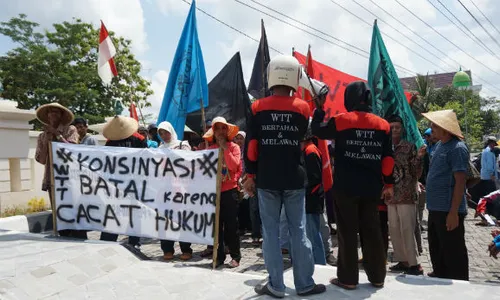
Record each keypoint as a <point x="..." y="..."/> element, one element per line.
<point x="275" y="170"/>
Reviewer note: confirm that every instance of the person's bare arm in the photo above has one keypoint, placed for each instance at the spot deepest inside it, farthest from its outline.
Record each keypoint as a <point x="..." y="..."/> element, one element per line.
<point x="456" y="200"/>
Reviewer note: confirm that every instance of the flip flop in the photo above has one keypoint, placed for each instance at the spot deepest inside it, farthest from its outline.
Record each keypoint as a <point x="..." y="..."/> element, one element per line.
<point x="335" y="281"/>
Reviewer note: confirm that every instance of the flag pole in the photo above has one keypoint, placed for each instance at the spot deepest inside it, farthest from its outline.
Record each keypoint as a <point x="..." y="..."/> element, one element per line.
<point x="203" y="121"/>
<point x="140" y="112"/>
<point x="262" y="56"/>
<point x="136" y="103"/>
<point x="307" y="62"/>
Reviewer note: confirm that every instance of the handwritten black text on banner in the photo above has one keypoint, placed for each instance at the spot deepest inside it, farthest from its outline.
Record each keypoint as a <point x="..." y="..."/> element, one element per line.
<point x="156" y="193"/>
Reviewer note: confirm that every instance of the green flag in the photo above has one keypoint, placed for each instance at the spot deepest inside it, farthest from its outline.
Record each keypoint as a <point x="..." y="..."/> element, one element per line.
<point x="387" y="93"/>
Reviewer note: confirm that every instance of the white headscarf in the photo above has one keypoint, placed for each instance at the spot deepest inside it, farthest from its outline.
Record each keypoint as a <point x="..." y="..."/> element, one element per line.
<point x="174" y="142"/>
<point x="243" y="134"/>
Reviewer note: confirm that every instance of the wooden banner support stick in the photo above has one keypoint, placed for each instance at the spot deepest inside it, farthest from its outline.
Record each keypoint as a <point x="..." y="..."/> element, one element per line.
<point x="217" y="207"/>
<point x="203" y="121"/>
<point x="52" y="191"/>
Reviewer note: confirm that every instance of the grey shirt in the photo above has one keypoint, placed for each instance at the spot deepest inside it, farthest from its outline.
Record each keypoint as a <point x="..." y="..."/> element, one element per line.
<point x="89" y="140"/>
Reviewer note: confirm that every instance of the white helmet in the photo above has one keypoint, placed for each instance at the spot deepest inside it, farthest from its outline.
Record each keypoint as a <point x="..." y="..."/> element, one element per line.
<point x="283" y="70"/>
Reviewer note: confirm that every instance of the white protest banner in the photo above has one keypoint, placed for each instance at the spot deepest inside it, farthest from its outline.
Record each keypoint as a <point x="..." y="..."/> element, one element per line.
<point x="156" y="193"/>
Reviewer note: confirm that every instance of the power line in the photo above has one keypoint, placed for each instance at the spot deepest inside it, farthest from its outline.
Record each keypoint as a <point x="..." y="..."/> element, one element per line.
<point x="397" y="30"/>
<point x="231" y="27"/>
<point x="448" y="40"/>
<point x="415" y="33"/>
<point x="303" y="24"/>
<point x="390" y="37"/>
<point x="361" y="19"/>
<point x="477" y="21"/>
<point x="311" y="33"/>
<point x="365" y="53"/>
<point x="463" y="25"/>
<point x="440" y="59"/>
<point x="404" y="70"/>
<point x="329" y="35"/>
<point x="485" y="16"/>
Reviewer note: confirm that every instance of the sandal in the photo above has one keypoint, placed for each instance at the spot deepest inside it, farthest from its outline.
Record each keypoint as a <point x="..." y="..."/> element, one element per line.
<point x="234" y="264"/>
<point x="207" y="253"/>
<point x="335" y="281"/>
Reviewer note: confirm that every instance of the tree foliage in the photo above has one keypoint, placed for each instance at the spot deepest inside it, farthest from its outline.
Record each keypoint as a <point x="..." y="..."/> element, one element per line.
<point x="479" y="118"/>
<point x="61" y="65"/>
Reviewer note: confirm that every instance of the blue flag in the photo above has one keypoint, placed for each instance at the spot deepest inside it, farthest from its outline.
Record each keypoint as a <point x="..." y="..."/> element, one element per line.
<point x="187" y="82"/>
<point x="387" y="93"/>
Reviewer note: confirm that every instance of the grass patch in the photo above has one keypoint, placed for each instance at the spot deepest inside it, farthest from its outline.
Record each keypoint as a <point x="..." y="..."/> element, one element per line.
<point x="34" y="205"/>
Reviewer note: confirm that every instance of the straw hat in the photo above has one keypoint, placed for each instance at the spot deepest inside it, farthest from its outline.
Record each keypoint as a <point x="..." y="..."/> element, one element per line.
<point x="120" y="128"/>
<point x="446" y="119"/>
<point x="42" y="113"/>
<point x="232" y="130"/>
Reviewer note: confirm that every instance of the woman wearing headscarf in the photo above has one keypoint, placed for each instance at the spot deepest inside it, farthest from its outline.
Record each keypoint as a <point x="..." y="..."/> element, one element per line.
<point x="221" y="135"/>
<point x="56" y="119"/>
<point x="169" y="140"/>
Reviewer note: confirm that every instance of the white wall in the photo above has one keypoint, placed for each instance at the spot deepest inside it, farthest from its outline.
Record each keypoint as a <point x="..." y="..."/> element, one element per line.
<point x="31" y="176"/>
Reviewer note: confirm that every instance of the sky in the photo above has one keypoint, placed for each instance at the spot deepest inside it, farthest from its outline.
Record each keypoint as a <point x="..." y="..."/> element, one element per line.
<point x="154" y="27"/>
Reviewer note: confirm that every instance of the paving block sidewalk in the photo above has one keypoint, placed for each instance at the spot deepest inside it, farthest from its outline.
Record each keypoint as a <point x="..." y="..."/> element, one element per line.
<point x="34" y="266"/>
<point x="482" y="267"/>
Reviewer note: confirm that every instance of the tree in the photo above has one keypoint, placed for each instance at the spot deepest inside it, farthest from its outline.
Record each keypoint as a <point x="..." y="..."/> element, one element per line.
<point x="424" y="91"/>
<point x="61" y="65"/>
<point x="482" y="116"/>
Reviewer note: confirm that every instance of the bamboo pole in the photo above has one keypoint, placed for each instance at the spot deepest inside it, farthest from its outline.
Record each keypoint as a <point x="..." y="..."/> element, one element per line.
<point x="52" y="191"/>
<point x="203" y="121"/>
<point x="261" y="45"/>
<point x="217" y="207"/>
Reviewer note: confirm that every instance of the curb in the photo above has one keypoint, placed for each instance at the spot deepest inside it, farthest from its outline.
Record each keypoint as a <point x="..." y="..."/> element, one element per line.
<point x="33" y="223"/>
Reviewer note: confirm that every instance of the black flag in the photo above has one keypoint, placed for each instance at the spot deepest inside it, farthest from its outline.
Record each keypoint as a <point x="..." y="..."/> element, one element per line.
<point x="228" y="97"/>
<point x="258" y="82"/>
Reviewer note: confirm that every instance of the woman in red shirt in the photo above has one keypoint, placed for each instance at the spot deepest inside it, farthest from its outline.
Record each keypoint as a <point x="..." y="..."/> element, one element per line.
<point x="221" y="135"/>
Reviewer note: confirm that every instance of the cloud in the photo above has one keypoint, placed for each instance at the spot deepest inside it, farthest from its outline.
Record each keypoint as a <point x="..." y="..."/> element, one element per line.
<point x="158" y="84"/>
<point x="125" y="17"/>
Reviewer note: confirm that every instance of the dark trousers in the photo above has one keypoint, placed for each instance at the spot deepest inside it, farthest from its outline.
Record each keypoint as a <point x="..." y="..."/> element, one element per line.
<point x="447" y="248"/>
<point x="78" y="234"/>
<point x="358" y="214"/>
<point x="384" y="228"/>
<point x="168" y="246"/>
<point x="112" y="237"/>
<point x="244" y="222"/>
<point x="228" y="226"/>
<point x="255" y="218"/>
<point x="329" y="206"/>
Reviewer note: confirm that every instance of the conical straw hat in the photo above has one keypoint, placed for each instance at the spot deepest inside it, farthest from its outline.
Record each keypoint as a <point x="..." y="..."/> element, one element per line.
<point x="42" y="113"/>
<point x="119" y="128"/>
<point x="445" y="119"/>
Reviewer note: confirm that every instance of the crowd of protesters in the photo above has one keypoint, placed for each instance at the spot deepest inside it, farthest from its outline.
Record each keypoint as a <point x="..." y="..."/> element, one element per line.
<point x="272" y="184"/>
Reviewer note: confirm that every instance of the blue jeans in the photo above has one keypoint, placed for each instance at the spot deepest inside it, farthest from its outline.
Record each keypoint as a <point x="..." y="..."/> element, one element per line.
<point x="284" y="235"/>
<point x="255" y="218"/>
<point x="270" y="203"/>
<point x="313" y="233"/>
